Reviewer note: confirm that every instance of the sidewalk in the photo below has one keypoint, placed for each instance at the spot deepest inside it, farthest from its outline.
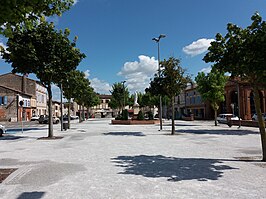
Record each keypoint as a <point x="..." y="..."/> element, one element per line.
<point x="99" y="160"/>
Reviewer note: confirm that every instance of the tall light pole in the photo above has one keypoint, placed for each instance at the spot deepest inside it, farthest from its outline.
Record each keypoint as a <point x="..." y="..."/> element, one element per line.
<point x="157" y="40"/>
<point x="61" y="105"/>
<point x="124" y="92"/>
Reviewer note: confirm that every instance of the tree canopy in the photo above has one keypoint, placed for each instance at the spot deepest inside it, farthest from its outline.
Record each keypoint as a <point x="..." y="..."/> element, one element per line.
<point x="174" y="80"/>
<point x="242" y="53"/>
<point x="211" y="88"/>
<point x="13" y="12"/>
<point x="170" y="83"/>
<point x="47" y="53"/>
<point x="120" y="95"/>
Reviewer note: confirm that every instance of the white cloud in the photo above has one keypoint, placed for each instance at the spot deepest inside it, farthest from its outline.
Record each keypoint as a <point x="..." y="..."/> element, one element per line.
<point x="100" y="86"/>
<point x="56" y="93"/>
<point x="197" y="47"/>
<point x="75" y="2"/>
<point x="138" y="73"/>
<point x="2" y="45"/>
<point x="206" y="70"/>
<point x="87" y="73"/>
<point x="54" y="19"/>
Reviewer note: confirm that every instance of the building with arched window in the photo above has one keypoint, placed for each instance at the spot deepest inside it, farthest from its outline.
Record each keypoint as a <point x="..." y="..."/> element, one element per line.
<point x="242" y="104"/>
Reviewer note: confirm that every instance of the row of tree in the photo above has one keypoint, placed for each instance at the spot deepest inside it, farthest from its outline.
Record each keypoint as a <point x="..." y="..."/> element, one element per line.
<point x="35" y="46"/>
<point x="241" y="53"/>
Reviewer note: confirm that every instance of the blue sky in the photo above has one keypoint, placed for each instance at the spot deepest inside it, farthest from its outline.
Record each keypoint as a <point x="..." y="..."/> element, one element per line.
<point x="116" y="35"/>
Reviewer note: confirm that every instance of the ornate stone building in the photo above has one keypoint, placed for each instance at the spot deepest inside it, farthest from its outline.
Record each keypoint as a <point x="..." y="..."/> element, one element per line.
<point x="243" y="103"/>
<point x="190" y="101"/>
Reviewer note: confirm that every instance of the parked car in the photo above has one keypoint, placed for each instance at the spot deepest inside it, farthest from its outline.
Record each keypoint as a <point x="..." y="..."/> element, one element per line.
<point x="45" y="118"/>
<point x="74" y="117"/>
<point x="35" y="118"/>
<point x="2" y="130"/>
<point x="223" y="118"/>
<point x="255" y="117"/>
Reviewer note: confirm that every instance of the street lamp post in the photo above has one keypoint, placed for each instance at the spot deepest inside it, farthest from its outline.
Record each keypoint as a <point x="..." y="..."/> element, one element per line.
<point x="157" y="40"/>
<point x="124" y="98"/>
<point x="61" y="105"/>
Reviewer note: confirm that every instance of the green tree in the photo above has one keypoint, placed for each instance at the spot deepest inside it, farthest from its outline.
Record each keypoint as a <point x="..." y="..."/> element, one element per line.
<point x="242" y="53"/>
<point x="120" y="95"/>
<point x="13" y="12"/>
<point x="156" y="90"/>
<point x="47" y="53"/>
<point x="211" y="88"/>
<point x="84" y="94"/>
<point x="73" y="86"/>
<point x="174" y="81"/>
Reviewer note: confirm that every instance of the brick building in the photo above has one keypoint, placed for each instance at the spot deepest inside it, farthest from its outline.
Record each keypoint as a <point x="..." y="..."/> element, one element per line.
<point x="10" y="110"/>
<point x="101" y="110"/>
<point x="15" y="88"/>
<point x="190" y="101"/>
<point x="242" y="103"/>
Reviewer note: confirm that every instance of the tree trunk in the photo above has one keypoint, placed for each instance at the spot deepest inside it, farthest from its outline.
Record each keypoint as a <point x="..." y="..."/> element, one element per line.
<point x="173" y="115"/>
<point x="215" y="117"/>
<point x="261" y="123"/>
<point x="83" y="113"/>
<point x="68" y="114"/>
<point x="50" y="112"/>
<point x="215" y="108"/>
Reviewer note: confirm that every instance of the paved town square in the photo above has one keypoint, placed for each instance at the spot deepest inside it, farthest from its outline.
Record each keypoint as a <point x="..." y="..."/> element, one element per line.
<point x="98" y="160"/>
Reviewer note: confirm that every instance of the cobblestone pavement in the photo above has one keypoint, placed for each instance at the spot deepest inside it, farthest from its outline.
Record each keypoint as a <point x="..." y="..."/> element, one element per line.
<point x="98" y="160"/>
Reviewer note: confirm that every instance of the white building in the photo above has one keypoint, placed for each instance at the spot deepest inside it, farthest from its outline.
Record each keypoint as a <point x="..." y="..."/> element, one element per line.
<point x="41" y="98"/>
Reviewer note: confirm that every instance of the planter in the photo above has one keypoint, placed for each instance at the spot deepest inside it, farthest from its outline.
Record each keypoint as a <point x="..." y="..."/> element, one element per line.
<point x="134" y="122"/>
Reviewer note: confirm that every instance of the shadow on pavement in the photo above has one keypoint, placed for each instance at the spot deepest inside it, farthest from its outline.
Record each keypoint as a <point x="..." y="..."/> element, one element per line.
<point x="15" y="130"/>
<point x="217" y="132"/>
<point x="31" y="195"/>
<point x="175" y="169"/>
<point x="181" y="124"/>
<point x="125" y="133"/>
<point x="11" y="137"/>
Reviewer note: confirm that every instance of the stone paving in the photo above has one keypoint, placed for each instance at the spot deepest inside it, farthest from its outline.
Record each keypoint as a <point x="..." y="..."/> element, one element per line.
<point x="99" y="160"/>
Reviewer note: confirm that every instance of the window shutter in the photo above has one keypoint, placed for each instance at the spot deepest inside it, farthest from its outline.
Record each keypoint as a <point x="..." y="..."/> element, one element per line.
<point x="5" y="100"/>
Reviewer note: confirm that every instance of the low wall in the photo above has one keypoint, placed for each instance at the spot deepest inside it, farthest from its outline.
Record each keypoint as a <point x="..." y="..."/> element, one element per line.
<point x="250" y="123"/>
<point x="135" y="122"/>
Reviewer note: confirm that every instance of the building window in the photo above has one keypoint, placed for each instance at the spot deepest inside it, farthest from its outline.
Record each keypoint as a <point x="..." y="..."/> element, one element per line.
<point x="107" y="101"/>
<point x="3" y="100"/>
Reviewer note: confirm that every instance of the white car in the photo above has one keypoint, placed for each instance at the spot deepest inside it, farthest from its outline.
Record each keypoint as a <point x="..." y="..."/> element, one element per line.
<point x="255" y="116"/>
<point x="74" y="117"/>
<point x="35" y="118"/>
<point x="223" y="118"/>
<point x="2" y="130"/>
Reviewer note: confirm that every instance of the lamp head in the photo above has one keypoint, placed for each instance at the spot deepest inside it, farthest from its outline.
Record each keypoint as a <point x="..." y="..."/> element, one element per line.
<point x="155" y="39"/>
<point x="162" y="36"/>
